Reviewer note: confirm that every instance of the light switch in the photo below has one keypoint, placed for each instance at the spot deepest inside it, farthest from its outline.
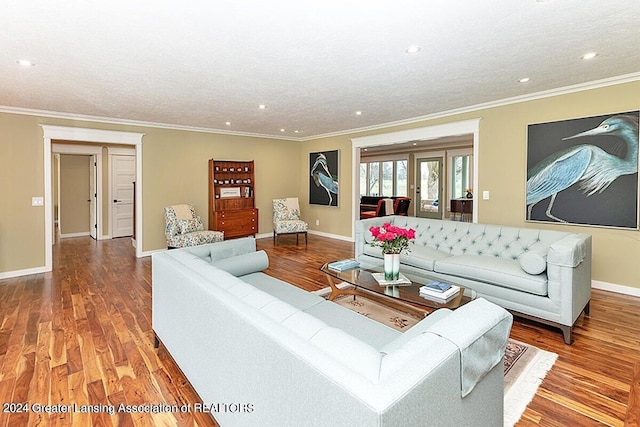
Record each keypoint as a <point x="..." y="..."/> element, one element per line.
<point x="37" y="201"/>
<point x="485" y="195"/>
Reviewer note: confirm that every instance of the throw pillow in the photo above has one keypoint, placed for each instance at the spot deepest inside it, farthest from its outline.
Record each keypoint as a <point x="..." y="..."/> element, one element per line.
<point x="533" y="262"/>
<point x="190" y="225"/>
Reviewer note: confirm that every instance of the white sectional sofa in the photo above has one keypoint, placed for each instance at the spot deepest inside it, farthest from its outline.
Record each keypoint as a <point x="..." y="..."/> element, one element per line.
<point x="538" y="274"/>
<point x="262" y="352"/>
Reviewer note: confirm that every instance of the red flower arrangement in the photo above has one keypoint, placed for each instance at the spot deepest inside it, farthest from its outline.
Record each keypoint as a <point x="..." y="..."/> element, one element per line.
<point x="392" y="239"/>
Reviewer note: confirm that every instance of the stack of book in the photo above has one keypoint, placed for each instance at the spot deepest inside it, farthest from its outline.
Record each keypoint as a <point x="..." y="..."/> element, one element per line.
<point x="439" y="291"/>
<point x="402" y="280"/>
<point x="343" y="265"/>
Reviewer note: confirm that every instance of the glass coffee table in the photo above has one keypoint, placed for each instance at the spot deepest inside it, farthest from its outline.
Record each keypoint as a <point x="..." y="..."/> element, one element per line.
<point x="404" y="297"/>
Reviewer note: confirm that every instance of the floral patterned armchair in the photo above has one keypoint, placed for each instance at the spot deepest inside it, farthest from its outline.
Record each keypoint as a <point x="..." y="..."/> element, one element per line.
<point x="286" y="219"/>
<point x="184" y="228"/>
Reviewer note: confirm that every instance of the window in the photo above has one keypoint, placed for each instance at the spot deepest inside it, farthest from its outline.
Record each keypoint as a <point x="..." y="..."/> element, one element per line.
<point x="460" y="175"/>
<point x="383" y="178"/>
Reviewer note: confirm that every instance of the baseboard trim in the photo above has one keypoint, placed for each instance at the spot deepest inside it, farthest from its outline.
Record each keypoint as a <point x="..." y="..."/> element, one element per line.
<point x="25" y="272"/>
<point x="317" y="233"/>
<point x="82" y="234"/>
<point x="619" y="289"/>
<point x="332" y="236"/>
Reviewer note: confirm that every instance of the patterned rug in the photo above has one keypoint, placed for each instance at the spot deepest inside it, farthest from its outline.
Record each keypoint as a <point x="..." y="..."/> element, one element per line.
<point x="525" y="366"/>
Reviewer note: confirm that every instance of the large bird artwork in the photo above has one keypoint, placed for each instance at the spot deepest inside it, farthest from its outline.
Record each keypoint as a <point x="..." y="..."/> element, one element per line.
<point x="589" y="166"/>
<point x="324" y="179"/>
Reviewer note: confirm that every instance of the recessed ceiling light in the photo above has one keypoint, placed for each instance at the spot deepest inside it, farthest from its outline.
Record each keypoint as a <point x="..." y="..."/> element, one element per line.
<point x="358" y="113"/>
<point x="296" y="131"/>
<point x="282" y="130"/>
<point x="524" y="80"/>
<point x="228" y="123"/>
<point x="25" y="63"/>
<point x="415" y="143"/>
<point x="589" y="55"/>
<point x="262" y="106"/>
<point x="413" y="49"/>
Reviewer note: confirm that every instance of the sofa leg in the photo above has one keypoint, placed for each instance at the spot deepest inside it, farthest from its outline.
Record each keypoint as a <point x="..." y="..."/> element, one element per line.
<point x="567" y="332"/>
<point x="156" y="341"/>
<point x="587" y="308"/>
<point x="275" y="239"/>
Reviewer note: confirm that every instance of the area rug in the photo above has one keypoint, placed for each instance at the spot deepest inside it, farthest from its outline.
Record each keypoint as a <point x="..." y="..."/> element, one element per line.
<point x="525" y="366"/>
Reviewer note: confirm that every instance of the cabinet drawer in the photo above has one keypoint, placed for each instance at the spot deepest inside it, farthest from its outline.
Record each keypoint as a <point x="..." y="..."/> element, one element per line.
<point x="237" y="223"/>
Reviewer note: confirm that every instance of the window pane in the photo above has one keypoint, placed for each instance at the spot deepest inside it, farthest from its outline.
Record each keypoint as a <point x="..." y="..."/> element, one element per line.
<point x="460" y="176"/>
<point x="363" y="179"/>
<point x="401" y="178"/>
<point x="387" y="178"/>
<point x="374" y="179"/>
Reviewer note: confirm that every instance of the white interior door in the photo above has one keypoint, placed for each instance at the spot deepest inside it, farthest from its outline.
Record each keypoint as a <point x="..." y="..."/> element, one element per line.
<point x="93" y="196"/>
<point x="123" y="174"/>
<point x="429" y="188"/>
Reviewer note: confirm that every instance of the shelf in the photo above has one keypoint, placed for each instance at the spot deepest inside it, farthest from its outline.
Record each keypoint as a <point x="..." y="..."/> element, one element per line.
<point x="224" y="175"/>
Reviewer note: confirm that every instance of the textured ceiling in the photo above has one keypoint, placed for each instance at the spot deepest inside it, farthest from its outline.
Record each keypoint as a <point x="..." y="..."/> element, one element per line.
<point x="200" y="64"/>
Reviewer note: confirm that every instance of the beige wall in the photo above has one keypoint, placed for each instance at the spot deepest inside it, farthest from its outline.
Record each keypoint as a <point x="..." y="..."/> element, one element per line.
<point x="21" y="177"/>
<point x="74" y="192"/>
<point x="175" y="171"/>
<point x="502" y="171"/>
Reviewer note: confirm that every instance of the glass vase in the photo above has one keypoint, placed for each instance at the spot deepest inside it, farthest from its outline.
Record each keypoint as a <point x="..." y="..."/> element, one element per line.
<point x="391" y="267"/>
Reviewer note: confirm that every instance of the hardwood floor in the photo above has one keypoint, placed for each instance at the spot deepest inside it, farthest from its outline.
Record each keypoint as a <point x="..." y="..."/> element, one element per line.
<point x="82" y="334"/>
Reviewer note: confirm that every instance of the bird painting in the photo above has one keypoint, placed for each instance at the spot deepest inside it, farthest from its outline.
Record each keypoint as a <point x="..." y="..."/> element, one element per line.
<point x="324" y="179"/>
<point x="590" y="167"/>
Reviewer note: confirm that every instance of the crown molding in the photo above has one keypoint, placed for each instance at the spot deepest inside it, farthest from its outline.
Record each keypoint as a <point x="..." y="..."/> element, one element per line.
<point x="627" y="78"/>
<point x="125" y="122"/>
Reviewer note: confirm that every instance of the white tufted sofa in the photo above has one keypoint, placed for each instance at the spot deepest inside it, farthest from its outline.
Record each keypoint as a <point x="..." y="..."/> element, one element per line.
<point x="539" y="274"/>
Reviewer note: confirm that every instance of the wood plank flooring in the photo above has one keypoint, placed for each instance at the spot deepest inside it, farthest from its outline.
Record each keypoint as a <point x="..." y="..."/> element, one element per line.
<point x="82" y="334"/>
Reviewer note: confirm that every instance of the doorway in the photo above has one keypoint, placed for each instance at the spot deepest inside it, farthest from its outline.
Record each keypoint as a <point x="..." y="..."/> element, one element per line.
<point x="93" y="137"/>
<point x="123" y="175"/>
<point x="429" y="187"/>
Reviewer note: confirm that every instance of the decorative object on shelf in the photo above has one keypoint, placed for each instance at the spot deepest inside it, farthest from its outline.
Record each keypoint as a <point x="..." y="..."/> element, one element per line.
<point x="230" y="192"/>
<point x="323" y="185"/>
<point x="393" y="241"/>
<point x="232" y="198"/>
<point x="469" y="193"/>
<point x="590" y="157"/>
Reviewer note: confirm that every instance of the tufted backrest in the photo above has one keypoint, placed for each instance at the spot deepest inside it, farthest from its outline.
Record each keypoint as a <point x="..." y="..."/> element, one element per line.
<point x="459" y="238"/>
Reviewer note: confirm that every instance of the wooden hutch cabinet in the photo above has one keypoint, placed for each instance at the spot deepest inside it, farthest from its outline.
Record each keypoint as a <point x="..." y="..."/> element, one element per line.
<point x="232" y="206"/>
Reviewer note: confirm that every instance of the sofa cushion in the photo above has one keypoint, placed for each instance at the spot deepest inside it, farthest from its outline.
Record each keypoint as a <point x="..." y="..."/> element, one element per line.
<point x="350" y="351"/>
<point x="498" y="271"/>
<point x="534" y="262"/>
<point x="241" y="265"/>
<point x="284" y="291"/>
<point x="423" y="256"/>
<point x="419" y="328"/>
<point x="363" y="328"/>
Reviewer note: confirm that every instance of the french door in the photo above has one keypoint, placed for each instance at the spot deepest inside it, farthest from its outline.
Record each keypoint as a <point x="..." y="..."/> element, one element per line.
<point x="429" y="188"/>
